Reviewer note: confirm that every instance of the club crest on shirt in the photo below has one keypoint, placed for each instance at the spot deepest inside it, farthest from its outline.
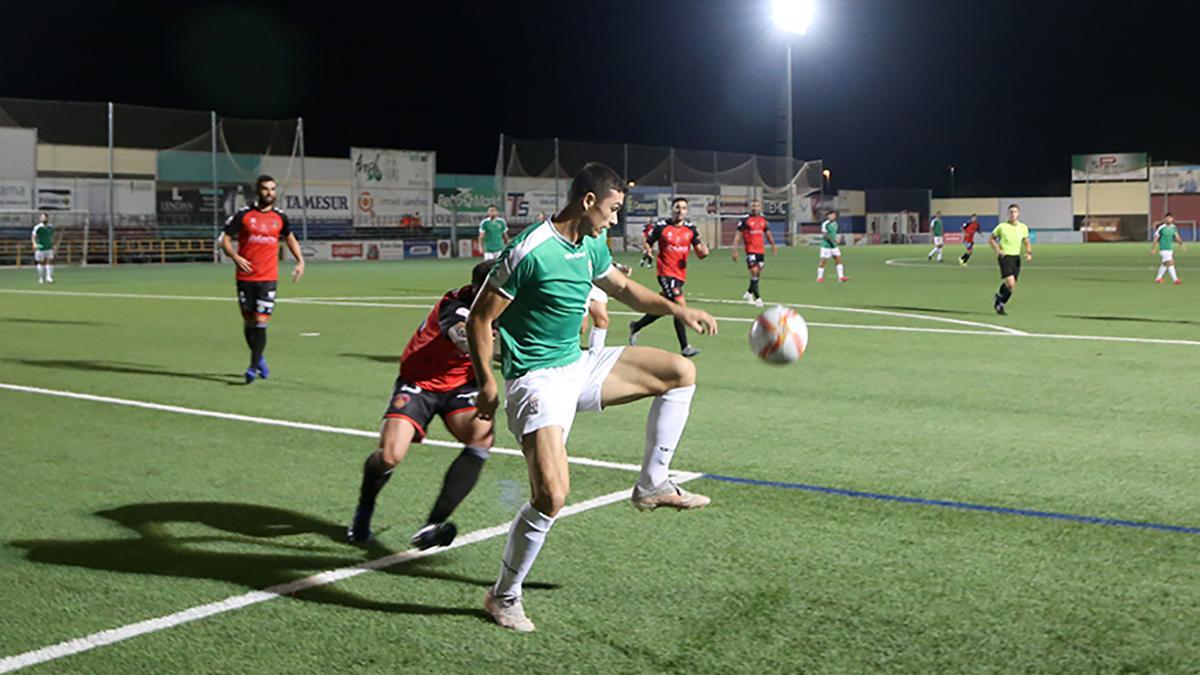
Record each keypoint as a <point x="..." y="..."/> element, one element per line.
<point x="533" y="404"/>
<point x="400" y="400"/>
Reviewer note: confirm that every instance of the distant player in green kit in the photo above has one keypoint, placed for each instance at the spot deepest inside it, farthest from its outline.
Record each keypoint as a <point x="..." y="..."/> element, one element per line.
<point x="493" y="234"/>
<point x="935" y="226"/>
<point x="1006" y="241"/>
<point x="43" y="241"/>
<point x="1165" y="236"/>
<point x="829" y="248"/>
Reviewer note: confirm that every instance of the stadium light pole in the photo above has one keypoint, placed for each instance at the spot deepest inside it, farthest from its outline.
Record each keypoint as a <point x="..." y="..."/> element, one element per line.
<point x="791" y="16"/>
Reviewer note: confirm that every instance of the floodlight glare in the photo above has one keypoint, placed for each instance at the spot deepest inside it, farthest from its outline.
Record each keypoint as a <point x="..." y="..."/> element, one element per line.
<point x="794" y="16"/>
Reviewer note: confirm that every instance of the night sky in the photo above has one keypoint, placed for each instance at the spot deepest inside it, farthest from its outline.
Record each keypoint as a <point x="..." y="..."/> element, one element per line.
<point x="887" y="92"/>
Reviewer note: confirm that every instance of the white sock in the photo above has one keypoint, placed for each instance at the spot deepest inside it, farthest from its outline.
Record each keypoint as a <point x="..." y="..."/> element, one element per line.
<point x="939" y="254"/>
<point x="664" y="427"/>
<point x="525" y="539"/>
<point x="1174" y="276"/>
<point x="820" y="272"/>
<point x="49" y="272"/>
<point x="596" y="338"/>
<point x="1162" y="269"/>
<point x="931" y="252"/>
<point x="841" y="271"/>
<point x="42" y="272"/>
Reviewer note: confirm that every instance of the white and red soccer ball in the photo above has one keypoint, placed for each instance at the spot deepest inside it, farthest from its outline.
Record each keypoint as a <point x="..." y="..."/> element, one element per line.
<point x="779" y="335"/>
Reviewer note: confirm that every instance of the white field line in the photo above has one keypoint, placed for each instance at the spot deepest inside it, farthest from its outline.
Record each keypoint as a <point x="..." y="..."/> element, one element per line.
<point x="235" y="602"/>
<point x="107" y="637"/>
<point x="1008" y="332"/>
<point x="917" y="262"/>
<point x="306" y="426"/>
<point x="880" y="312"/>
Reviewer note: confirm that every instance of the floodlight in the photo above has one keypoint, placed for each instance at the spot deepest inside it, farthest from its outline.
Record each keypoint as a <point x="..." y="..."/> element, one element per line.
<point x="793" y="16"/>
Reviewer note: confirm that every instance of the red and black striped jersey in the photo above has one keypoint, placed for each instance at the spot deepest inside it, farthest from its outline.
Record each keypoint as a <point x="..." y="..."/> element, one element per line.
<point x="431" y="360"/>
<point x="753" y="229"/>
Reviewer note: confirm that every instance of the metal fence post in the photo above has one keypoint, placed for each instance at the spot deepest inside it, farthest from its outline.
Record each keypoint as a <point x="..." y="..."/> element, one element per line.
<point x="303" y="182"/>
<point x="556" y="204"/>
<point x="111" y="206"/>
<point x="216" y="201"/>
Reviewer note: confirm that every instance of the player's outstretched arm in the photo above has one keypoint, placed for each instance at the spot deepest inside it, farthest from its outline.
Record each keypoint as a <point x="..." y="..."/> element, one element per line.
<point x="293" y="245"/>
<point x="645" y="300"/>
<point x="488" y="306"/>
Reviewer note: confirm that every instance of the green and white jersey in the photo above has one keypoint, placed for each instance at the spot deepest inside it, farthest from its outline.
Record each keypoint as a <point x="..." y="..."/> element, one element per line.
<point x="493" y="230"/>
<point x="548" y="279"/>
<point x="1165" y="234"/>
<point x="830" y="231"/>
<point x="43" y="234"/>
<point x="936" y="226"/>
<point x="1010" y="235"/>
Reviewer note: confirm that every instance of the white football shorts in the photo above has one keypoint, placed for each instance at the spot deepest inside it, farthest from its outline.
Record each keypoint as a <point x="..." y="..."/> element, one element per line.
<point x="550" y="397"/>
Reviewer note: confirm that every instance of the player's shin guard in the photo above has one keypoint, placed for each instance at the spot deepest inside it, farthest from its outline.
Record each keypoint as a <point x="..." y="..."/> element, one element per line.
<point x="376" y="474"/>
<point x="258" y="344"/>
<point x="460" y="479"/>
<point x="681" y="333"/>
<point x="525" y="539"/>
<point x="1004" y="293"/>
<point x="664" y="428"/>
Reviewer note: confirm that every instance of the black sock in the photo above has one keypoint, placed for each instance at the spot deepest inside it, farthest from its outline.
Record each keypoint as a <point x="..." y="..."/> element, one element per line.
<point x="248" y="333"/>
<point x="258" y="344"/>
<point x="460" y="478"/>
<point x="1005" y="293"/>
<point x="681" y="333"/>
<point x="754" y="287"/>
<point x="376" y="474"/>
<point x="646" y="320"/>
<point x="966" y="256"/>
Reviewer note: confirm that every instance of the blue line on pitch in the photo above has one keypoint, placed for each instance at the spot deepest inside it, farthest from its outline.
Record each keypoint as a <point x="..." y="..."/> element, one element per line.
<point x="1028" y="513"/>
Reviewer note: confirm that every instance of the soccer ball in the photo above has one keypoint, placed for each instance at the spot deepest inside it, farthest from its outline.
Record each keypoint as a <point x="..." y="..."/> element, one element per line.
<point x="779" y="335"/>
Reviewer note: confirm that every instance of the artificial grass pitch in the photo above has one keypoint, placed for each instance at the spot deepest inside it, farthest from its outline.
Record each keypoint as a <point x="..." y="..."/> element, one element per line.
<point x="910" y="387"/>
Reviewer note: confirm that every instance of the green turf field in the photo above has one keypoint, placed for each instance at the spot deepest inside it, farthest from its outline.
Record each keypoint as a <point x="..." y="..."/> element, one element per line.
<point x="1082" y="401"/>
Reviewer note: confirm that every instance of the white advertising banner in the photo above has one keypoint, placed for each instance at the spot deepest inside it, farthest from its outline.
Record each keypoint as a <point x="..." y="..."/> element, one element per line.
<point x="340" y="251"/>
<point x="16" y="194"/>
<point x="1175" y="179"/>
<point x="393" y="187"/>
<point x="323" y="202"/>
<point x="1110" y="166"/>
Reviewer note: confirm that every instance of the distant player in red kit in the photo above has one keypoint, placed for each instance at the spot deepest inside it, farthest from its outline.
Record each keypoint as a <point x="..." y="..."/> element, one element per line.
<point x="675" y="238"/>
<point x="436" y="379"/>
<point x="969" y="231"/>
<point x="647" y="251"/>
<point x="258" y="230"/>
<point x="753" y="230"/>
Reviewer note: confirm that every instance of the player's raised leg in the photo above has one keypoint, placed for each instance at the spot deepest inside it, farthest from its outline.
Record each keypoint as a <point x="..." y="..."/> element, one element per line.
<point x="643" y="372"/>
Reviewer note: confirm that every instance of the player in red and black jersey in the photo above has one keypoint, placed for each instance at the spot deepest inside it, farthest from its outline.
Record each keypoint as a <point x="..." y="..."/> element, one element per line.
<point x="436" y="379"/>
<point x="258" y="230"/>
<point x="752" y="230"/>
<point x="969" y="231"/>
<point x="647" y="251"/>
<point x="675" y="238"/>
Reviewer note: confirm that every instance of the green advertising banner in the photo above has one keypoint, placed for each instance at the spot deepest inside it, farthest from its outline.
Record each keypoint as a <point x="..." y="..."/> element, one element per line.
<point x="188" y="166"/>
<point x="1111" y="166"/>
<point x="463" y="193"/>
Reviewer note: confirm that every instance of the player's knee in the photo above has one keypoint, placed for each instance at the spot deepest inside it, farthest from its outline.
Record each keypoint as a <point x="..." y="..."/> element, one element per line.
<point x="482" y="441"/>
<point x="601" y="321"/>
<point x="681" y="372"/>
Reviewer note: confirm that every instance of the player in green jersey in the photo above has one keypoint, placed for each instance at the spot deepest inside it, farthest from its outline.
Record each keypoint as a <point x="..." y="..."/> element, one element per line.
<point x="1165" y="237"/>
<point x="493" y="234"/>
<point x="1007" y="239"/>
<point x="44" y="241"/>
<point x="535" y="296"/>
<point x="935" y="227"/>
<point x="829" y="248"/>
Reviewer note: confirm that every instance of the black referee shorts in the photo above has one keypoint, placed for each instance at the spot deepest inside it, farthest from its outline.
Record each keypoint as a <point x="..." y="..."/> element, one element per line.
<point x="1010" y="266"/>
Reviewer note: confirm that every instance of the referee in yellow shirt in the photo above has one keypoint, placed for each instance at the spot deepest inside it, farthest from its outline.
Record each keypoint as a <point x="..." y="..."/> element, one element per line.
<point x="1006" y="241"/>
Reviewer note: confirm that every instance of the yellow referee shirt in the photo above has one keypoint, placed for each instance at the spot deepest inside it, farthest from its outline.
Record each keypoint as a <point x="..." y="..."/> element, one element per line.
<point x="1010" y="236"/>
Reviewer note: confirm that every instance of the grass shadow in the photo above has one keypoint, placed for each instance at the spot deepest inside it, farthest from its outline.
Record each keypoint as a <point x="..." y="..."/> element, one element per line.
<point x="376" y="358"/>
<point x="53" y="322"/>
<point x="91" y="366"/>
<point x="932" y="310"/>
<point x="156" y="551"/>
<point x="1133" y="319"/>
